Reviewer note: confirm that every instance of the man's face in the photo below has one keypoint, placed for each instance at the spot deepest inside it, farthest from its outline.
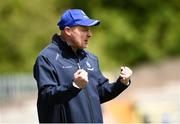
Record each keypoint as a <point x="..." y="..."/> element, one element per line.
<point x="79" y="37"/>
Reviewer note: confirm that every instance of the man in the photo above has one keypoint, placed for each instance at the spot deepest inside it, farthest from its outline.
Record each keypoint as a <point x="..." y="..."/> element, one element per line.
<point x="71" y="86"/>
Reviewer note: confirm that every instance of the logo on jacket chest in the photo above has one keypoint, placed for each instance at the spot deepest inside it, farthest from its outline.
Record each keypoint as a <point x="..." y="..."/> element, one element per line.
<point x="68" y="66"/>
<point x="89" y="66"/>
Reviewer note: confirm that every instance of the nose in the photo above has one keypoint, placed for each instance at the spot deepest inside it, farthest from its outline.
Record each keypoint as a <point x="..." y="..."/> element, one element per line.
<point x="89" y="33"/>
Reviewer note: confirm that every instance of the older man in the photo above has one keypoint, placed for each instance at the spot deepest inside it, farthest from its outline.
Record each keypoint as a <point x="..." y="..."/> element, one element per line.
<point x="71" y="87"/>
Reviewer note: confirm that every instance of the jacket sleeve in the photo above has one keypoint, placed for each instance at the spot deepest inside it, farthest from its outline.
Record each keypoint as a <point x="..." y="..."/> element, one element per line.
<point x="107" y="91"/>
<point x="49" y="89"/>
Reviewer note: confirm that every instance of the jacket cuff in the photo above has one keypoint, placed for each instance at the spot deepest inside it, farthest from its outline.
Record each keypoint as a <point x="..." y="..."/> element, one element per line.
<point x="119" y="81"/>
<point x="74" y="84"/>
<point x="74" y="88"/>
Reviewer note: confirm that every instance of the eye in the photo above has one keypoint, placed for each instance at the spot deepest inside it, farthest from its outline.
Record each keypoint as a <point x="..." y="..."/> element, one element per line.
<point x="85" y="30"/>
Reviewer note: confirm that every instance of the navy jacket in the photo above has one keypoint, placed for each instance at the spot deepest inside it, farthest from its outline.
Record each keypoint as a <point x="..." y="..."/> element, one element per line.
<point x="58" y="100"/>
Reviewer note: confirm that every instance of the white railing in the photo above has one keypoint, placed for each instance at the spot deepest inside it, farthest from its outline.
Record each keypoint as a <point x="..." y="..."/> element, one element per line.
<point x="15" y="85"/>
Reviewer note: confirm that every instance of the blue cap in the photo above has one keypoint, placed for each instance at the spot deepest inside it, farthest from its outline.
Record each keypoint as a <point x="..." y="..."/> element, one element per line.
<point x="74" y="17"/>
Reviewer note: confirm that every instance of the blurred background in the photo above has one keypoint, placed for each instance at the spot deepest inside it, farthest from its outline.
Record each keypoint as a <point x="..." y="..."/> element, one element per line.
<point x="144" y="35"/>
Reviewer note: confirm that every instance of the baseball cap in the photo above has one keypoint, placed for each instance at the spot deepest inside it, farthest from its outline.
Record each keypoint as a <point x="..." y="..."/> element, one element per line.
<point x="74" y="17"/>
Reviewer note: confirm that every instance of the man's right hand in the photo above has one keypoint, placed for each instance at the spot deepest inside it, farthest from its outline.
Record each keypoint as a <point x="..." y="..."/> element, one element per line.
<point x="81" y="78"/>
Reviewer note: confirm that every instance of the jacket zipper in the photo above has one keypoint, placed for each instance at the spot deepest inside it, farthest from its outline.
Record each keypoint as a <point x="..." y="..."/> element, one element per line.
<point x="90" y="105"/>
<point x="63" y="113"/>
<point x="87" y="95"/>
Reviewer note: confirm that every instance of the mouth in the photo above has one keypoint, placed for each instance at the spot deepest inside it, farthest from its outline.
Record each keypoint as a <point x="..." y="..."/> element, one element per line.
<point x="86" y="41"/>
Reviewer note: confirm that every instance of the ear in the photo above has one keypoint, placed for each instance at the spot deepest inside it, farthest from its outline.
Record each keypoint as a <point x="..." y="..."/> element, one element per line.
<point x="67" y="30"/>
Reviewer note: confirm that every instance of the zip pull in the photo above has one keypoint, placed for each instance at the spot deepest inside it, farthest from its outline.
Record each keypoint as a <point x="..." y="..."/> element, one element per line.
<point x="78" y="61"/>
<point x="79" y="65"/>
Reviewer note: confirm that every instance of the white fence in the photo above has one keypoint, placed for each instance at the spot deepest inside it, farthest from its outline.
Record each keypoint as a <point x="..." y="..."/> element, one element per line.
<point x="16" y="85"/>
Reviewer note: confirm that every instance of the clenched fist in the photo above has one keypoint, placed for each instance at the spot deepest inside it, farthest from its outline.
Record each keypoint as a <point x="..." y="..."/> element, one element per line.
<point x="81" y="78"/>
<point x="125" y="74"/>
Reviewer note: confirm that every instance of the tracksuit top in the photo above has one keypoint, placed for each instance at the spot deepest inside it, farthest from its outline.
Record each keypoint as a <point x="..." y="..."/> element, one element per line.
<point x="58" y="100"/>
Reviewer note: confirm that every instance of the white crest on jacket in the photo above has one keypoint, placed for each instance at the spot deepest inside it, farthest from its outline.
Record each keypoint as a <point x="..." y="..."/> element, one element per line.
<point x="89" y="67"/>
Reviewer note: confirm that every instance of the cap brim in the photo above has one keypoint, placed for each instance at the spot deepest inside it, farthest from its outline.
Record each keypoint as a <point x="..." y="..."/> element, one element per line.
<point x="88" y="22"/>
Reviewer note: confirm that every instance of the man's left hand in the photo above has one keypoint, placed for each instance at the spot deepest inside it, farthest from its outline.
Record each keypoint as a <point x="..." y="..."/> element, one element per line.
<point x="125" y="74"/>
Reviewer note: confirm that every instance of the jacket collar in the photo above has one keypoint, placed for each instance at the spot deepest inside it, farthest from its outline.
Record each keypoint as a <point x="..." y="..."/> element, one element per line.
<point x="64" y="47"/>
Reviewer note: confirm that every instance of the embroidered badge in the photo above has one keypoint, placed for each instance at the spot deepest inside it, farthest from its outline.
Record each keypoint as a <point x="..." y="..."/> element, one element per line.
<point x="89" y="67"/>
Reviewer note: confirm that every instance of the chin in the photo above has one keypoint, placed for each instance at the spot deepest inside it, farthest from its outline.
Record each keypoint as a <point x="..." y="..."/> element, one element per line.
<point x="85" y="46"/>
